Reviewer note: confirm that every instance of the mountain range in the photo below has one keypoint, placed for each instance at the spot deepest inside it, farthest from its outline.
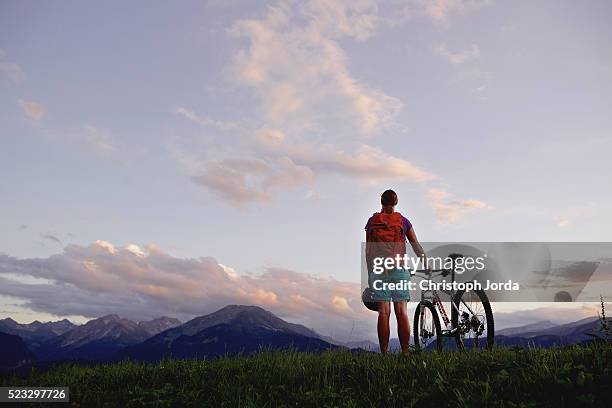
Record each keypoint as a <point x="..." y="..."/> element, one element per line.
<point x="35" y="333"/>
<point x="540" y="334"/>
<point x="101" y="338"/>
<point x="547" y="334"/>
<point x="97" y="339"/>
<point x="231" y="330"/>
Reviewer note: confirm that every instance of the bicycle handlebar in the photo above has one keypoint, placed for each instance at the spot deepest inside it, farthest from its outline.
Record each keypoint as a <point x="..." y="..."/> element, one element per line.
<point x="425" y="272"/>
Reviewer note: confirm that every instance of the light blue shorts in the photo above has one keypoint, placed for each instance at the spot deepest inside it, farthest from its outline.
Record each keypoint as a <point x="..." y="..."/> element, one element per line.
<point x="385" y="295"/>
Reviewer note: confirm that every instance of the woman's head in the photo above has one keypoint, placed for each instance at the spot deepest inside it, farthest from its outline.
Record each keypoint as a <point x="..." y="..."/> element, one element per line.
<point x="388" y="199"/>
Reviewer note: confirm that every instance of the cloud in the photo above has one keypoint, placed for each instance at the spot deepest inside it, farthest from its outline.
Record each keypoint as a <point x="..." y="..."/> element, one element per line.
<point x="368" y="164"/>
<point x="458" y="57"/>
<point x="449" y="211"/>
<point x="106" y="245"/>
<point x="96" y="138"/>
<point x="341" y="304"/>
<point x="135" y="249"/>
<point x="244" y="180"/>
<point x="271" y="163"/>
<point x="440" y="11"/>
<point x="295" y="63"/>
<point x="32" y="109"/>
<point x="51" y="237"/>
<point x="145" y="282"/>
<point x="10" y="72"/>
<point x="203" y="121"/>
<point x="292" y="59"/>
<point x="568" y="217"/>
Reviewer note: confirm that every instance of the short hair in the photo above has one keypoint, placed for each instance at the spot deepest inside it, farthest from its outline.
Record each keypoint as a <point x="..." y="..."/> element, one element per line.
<point x="388" y="198"/>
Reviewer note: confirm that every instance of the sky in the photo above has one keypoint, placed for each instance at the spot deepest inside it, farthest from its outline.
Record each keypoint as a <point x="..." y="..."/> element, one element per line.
<point x="171" y="158"/>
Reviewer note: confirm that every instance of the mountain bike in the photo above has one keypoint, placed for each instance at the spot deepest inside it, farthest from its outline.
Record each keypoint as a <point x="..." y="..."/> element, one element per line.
<point x="471" y="322"/>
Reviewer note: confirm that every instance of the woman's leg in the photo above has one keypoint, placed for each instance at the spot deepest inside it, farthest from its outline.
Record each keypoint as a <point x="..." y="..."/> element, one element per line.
<point x="384" y="311"/>
<point x="403" y="324"/>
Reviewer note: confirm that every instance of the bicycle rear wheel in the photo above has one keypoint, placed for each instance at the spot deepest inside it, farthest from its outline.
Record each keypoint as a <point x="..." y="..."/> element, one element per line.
<point x="427" y="331"/>
<point x="472" y="317"/>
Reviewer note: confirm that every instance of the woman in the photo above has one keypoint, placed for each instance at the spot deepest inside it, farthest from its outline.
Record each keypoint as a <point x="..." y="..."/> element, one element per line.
<point x="390" y="226"/>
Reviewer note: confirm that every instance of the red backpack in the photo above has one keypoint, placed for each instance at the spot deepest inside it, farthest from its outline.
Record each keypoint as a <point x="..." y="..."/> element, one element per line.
<point x="385" y="237"/>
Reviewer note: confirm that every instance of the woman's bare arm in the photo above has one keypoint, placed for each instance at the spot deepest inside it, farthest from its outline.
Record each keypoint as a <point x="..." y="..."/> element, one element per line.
<point x="416" y="246"/>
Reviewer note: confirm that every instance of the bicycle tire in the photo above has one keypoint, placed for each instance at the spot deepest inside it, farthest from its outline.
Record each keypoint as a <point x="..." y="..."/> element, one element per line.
<point x="436" y="319"/>
<point x="490" y="324"/>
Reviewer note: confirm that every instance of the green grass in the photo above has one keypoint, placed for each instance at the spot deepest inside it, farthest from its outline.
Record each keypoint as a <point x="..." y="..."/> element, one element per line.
<point x="573" y="376"/>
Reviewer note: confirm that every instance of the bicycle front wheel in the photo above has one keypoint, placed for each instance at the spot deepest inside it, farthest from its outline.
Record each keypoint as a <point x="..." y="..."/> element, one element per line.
<point x="427" y="331"/>
<point x="472" y="317"/>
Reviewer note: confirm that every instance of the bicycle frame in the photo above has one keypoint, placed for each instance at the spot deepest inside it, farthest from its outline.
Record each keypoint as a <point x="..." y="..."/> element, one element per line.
<point x="439" y="305"/>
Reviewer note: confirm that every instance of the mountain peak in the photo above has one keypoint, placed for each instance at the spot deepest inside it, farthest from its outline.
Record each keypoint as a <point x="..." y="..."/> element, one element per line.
<point x="242" y="307"/>
<point x="9" y="320"/>
<point x="231" y="329"/>
<point x="245" y="307"/>
<point x="546" y="322"/>
<point x="243" y="315"/>
<point x="161" y="319"/>
<point x="234" y="309"/>
<point x="236" y="313"/>
<point x="109" y="317"/>
<point x="159" y="324"/>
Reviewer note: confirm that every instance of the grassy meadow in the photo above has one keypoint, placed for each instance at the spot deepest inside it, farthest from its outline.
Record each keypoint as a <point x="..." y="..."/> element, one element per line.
<point x="572" y="376"/>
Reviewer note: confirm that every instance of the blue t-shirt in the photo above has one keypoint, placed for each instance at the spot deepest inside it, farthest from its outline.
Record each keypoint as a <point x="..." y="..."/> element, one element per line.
<point x="407" y="224"/>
